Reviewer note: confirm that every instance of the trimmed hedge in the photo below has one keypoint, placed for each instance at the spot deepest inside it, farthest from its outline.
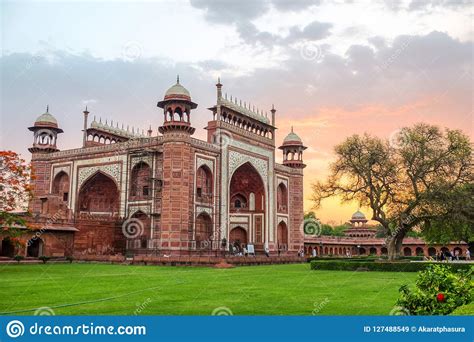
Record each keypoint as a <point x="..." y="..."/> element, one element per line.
<point x="355" y="265"/>
<point x="364" y="258"/>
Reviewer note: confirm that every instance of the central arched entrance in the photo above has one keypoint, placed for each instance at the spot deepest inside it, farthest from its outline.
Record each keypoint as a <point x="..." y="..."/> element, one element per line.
<point x="247" y="191"/>
<point x="247" y="202"/>
<point x="99" y="196"/>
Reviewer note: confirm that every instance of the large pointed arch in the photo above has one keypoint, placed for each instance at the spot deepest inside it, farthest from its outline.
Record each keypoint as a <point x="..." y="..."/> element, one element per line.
<point x="99" y="195"/>
<point x="246" y="180"/>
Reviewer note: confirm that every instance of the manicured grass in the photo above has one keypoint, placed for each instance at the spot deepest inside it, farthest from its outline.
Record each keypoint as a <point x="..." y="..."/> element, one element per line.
<point x="159" y="290"/>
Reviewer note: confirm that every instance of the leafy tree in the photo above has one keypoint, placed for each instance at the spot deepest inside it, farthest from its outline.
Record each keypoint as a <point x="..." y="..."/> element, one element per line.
<point x="340" y="230"/>
<point x="15" y="191"/>
<point x="326" y="230"/>
<point x="420" y="181"/>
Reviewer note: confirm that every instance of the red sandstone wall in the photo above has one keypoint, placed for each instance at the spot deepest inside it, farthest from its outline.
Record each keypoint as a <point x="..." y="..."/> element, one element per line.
<point x="98" y="237"/>
<point x="40" y="183"/>
<point x="177" y="194"/>
<point x="296" y="212"/>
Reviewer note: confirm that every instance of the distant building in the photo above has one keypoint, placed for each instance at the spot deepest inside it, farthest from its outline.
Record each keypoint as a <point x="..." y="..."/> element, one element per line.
<point x="135" y="192"/>
<point x="360" y="239"/>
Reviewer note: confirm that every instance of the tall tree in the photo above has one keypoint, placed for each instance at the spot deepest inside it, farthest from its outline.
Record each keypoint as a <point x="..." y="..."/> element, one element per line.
<point x="416" y="180"/>
<point x="15" y="191"/>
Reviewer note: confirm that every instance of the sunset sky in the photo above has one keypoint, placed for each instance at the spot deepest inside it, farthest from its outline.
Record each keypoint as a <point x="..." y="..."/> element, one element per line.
<point x="331" y="68"/>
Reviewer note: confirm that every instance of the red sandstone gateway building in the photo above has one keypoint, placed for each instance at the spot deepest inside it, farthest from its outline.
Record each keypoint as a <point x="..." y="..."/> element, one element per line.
<point x="127" y="192"/>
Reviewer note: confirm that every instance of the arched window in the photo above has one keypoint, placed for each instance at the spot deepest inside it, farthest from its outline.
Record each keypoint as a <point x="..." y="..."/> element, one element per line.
<point x="61" y="185"/>
<point x="239" y="202"/>
<point x="419" y="251"/>
<point x="204" y="184"/>
<point x="282" y="198"/>
<point x="178" y="114"/>
<point x="140" y="182"/>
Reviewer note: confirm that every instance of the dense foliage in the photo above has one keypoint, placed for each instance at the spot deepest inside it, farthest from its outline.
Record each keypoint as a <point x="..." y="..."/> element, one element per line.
<point x="438" y="291"/>
<point x="15" y="191"/>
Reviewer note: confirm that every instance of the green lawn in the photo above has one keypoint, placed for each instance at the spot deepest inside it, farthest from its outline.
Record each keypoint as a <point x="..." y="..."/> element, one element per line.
<point x="91" y="289"/>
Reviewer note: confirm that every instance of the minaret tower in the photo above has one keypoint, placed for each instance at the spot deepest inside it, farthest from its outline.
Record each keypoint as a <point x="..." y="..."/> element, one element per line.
<point x="45" y="131"/>
<point x="293" y="151"/>
<point x="178" y="169"/>
<point x="177" y="106"/>
<point x="84" y="138"/>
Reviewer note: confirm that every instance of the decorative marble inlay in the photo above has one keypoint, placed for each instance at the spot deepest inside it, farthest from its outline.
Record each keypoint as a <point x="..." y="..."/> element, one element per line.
<point x="200" y="210"/>
<point x="57" y="170"/>
<point x="236" y="159"/>
<point x="284" y="181"/>
<point x="239" y="218"/>
<point x="242" y="225"/>
<point x="145" y="159"/>
<point x="133" y="210"/>
<point x="112" y="170"/>
<point x="202" y="161"/>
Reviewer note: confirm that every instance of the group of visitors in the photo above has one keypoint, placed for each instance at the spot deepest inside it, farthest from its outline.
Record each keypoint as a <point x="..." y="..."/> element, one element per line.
<point x="447" y="255"/>
<point x="237" y="249"/>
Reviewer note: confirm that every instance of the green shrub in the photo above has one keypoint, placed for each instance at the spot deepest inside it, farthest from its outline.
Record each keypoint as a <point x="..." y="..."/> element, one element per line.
<point x="464" y="310"/>
<point x="44" y="258"/>
<point x="438" y="291"/>
<point x="18" y="258"/>
<point x="383" y="266"/>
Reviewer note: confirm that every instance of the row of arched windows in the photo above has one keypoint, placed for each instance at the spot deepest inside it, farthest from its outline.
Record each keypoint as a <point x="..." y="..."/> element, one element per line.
<point x="177" y="114"/>
<point x="246" y="125"/>
<point x="406" y="251"/>
<point x="102" y="139"/>
<point x="293" y="155"/>
<point x="45" y="138"/>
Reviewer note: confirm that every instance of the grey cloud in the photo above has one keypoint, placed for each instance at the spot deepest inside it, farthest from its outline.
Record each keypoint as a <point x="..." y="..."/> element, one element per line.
<point x="241" y="13"/>
<point x="231" y="11"/>
<point x="417" y="5"/>
<point x="377" y="42"/>
<point x="426" y="5"/>
<point x="292" y="5"/>
<point x="361" y="57"/>
<point x="313" y="31"/>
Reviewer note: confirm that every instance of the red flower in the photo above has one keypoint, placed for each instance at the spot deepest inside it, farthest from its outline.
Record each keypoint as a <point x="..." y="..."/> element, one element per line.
<point x="440" y="297"/>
